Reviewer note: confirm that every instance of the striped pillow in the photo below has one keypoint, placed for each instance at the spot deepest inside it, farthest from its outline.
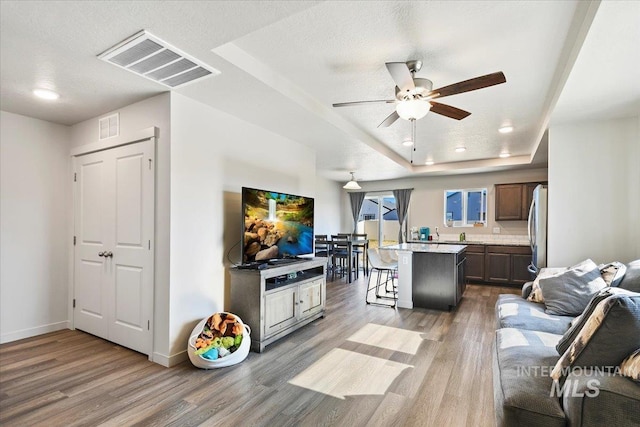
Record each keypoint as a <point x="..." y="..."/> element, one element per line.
<point x="610" y="333"/>
<point x="630" y="367"/>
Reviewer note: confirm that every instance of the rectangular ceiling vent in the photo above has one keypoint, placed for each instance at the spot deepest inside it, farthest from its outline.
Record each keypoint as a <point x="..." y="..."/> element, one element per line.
<point x="109" y="126"/>
<point x="154" y="59"/>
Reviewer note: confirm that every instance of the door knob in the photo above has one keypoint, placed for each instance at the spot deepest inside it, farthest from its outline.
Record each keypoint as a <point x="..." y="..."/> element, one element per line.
<point x="108" y="254"/>
<point x="100" y="253"/>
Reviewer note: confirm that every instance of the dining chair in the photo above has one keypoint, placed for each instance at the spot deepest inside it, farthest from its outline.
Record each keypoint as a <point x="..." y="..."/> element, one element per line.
<point x="385" y="289"/>
<point x="323" y="249"/>
<point x="341" y="254"/>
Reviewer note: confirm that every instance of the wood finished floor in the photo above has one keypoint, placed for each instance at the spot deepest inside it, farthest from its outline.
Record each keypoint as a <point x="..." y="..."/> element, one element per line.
<point x="70" y="378"/>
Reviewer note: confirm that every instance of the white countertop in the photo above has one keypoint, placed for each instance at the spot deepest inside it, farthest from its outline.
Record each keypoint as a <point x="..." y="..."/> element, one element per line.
<point x="427" y="247"/>
<point x="470" y="242"/>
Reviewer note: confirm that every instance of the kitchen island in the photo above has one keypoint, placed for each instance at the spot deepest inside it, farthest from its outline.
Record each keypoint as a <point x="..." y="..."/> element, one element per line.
<point x="429" y="275"/>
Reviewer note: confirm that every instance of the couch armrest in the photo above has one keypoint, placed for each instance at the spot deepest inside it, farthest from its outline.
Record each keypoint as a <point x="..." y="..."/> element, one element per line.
<point x="598" y="400"/>
<point x="526" y="289"/>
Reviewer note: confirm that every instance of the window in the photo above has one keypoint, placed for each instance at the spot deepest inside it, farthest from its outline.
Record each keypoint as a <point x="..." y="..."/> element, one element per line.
<point x="379" y="220"/>
<point x="465" y="208"/>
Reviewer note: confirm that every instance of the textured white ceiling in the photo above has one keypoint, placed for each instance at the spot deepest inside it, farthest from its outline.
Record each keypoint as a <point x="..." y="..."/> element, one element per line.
<point x="284" y="63"/>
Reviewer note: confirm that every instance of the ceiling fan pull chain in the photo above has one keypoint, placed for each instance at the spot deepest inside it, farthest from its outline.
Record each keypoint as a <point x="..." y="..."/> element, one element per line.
<point x="413" y="137"/>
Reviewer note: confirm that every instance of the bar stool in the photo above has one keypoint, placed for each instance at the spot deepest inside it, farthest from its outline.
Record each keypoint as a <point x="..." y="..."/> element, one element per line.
<point x="359" y="250"/>
<point x="384" y="290"/>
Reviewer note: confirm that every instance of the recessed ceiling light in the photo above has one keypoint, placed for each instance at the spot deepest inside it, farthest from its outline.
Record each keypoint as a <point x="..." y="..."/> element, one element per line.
<point x="506" y="129"/>
<point x="45" y="94"/>
<point x="429" y="163"/>
<point x="407" y="143"/>
<point x="461" y="149"/>
<point x="504" y="155"/>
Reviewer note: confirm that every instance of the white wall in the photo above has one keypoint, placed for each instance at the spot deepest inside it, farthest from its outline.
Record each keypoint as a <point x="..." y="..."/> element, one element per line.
<point x="426" y="208"/>
<point x="203" y="158"/>
<point x="213" y="155"/>
<point x="34" y="190"/>
<point x="154" y="111"/>
<point x="328" y="207"/>
<point x="594" y="187"/>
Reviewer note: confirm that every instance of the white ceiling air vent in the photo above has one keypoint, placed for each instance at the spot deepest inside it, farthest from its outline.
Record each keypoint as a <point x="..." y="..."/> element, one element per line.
<point x="109" y="126"/>
<point x="150" y="57"/>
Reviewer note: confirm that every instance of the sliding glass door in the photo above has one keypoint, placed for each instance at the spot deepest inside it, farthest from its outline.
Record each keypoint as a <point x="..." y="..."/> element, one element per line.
<point x="379" y="220"/>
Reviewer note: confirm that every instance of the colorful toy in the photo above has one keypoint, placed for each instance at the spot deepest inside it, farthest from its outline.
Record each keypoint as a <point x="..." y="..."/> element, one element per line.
<point x="218" y="341"/>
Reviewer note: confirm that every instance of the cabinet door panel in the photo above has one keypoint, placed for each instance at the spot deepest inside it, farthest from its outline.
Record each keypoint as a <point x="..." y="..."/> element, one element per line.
<point x="509" y="202"/>
<point x="461" y="284"/>
<point x="280" y="310"/>
<point x="498" y="267"/>
<point x="311" y="298"/>
<point x="474" y="270"/>
<point x="519" y="272"/>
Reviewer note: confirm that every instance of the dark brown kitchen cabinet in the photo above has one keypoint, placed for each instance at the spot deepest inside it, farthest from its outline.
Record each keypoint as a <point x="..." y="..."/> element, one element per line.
<point x="474" y="269"/>
<point x="519" y="269"/>
<point x="498" y="267"/>
<point x="507" y="264"/>
<point x="496" y="264"/>
<point x="513" y="200"/>
<point x="509" y="202"/>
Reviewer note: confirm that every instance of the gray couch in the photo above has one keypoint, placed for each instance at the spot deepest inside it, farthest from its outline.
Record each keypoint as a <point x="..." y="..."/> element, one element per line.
<point x="525" y="353"/>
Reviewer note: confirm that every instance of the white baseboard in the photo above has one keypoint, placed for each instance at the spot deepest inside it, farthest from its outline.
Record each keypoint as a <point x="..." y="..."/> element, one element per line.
<point x="169" y="361"/>
<point x="32" y="332"/>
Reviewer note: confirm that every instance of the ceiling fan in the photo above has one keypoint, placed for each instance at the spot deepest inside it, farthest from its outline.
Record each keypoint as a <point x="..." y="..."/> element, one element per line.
<point x="414" y="96"/>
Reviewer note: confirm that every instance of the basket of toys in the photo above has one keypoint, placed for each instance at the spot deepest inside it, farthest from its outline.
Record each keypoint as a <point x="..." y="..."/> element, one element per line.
<point x="219" y="340"/>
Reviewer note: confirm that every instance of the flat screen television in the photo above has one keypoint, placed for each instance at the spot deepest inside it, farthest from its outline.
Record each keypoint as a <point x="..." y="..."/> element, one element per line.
<point x="276" y="225"/>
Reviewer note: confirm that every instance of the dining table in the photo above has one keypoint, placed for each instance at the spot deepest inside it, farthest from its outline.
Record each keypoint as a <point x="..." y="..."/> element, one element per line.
<point x="350" y="243"/>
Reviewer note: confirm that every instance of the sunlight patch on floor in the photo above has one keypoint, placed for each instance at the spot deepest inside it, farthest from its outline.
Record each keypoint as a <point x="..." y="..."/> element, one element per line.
<point x="343" y="373"/>
<point x="395" y="339"/>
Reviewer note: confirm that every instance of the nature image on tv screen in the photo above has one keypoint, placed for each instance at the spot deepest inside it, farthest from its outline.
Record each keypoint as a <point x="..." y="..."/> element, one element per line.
<point x="276" y="225"/>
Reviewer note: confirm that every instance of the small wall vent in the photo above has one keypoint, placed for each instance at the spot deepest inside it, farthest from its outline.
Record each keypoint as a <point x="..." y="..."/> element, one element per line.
<point x="149" y="57"/>
<point x="109" y="126"/>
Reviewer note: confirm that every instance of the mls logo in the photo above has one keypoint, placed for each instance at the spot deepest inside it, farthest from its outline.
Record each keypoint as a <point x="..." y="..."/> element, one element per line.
<point x="570" y="388"/>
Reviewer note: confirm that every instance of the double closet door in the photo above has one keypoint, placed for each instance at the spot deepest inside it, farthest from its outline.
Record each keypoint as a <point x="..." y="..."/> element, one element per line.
<point x="113" y="231"/>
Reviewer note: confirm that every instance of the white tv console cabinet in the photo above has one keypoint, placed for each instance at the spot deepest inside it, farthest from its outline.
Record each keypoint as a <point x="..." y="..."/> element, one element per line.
<point x="278" y="299"/>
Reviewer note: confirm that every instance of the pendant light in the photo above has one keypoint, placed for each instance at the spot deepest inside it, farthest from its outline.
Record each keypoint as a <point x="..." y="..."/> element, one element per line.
<point x="353" y="184"/>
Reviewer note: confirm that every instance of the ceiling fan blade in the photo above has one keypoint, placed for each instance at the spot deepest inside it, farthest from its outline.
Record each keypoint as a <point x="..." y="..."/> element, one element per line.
<point x="389" y="120"/>
<point x="448" y="111"/>
<point x="401" y="75"/>
<point x="469" y="85"/>
<point x="349" y="104"/>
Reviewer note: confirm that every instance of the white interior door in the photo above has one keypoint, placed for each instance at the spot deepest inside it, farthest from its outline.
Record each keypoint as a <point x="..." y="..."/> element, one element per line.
<point x="92" y="237"/>
<point x="114" y="227"/>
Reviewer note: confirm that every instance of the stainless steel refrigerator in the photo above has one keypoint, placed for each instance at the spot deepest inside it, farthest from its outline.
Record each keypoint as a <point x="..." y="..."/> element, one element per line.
<point x="538" y="229"/>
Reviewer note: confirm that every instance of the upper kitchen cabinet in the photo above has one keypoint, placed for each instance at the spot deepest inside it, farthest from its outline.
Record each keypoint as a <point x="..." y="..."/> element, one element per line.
<point x="513" y="200"/>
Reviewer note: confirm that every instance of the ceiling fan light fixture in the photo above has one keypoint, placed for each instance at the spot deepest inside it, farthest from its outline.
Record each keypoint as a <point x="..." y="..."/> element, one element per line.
<point x="413" y="109"/>
<point x="353" y="184"/>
